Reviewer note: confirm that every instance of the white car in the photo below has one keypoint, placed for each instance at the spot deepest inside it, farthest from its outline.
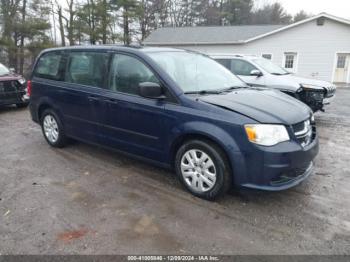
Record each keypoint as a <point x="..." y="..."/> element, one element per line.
<point x="260" y="72"/>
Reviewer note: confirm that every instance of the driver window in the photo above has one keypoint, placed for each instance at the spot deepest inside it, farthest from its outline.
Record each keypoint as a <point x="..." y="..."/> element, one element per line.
<point x="127" y="73"/>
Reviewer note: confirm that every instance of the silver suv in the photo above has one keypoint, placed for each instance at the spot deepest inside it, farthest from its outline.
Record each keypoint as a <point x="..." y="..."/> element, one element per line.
<point x="260" y="72"/>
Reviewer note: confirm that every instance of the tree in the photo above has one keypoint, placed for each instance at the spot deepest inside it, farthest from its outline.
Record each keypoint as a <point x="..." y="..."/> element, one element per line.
<point x="237" y="12"/>
<point x="94" y="20"/>
<point x="23" y="21"/>
<point x="150" y="14"/>
<point x="61" y="25"/>
<point x="301" y="15"/>
<point x="271" y="14"/>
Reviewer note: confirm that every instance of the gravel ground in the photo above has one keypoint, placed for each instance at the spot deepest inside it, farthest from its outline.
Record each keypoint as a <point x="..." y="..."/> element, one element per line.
<point x="87" y="200"/>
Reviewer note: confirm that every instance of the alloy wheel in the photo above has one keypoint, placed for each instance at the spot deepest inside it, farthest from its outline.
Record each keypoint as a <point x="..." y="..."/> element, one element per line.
<point x="198" y="170"/>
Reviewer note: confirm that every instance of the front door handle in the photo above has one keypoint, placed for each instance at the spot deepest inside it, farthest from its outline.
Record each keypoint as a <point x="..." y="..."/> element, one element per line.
<point x="104" y="100"/>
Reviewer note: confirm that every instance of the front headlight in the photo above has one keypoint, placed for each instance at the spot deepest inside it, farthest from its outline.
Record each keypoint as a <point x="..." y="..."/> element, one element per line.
<point x="266" y="135"/>
<point x="21" y="81"/>
<point x="312" y="87"/>
<point x="312" y="118"/>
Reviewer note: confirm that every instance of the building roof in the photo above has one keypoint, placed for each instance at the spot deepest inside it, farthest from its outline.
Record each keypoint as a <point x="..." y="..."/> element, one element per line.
<point x="207" y="34"/>
<point x="204" y="35"/>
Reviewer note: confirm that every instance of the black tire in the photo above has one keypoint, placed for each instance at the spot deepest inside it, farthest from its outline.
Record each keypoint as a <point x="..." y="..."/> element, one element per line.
<point x="223" y="172"/>
<point x="21" y="105"/>
<point x="61" y="140"/>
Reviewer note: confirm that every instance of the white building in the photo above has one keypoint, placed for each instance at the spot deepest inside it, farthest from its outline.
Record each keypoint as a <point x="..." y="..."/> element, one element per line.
<point x="317" y="47"/>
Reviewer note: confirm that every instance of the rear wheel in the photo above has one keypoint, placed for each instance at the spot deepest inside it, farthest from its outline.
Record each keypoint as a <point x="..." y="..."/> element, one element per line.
<point x="52" y="129"/>
<point x="203" y="169"/>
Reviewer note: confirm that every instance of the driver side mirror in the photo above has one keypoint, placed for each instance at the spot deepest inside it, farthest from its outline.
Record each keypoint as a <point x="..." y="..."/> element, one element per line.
<point x="151" y="90"/>
<point x="256" y="73"/>
<point x="12" y="69"/>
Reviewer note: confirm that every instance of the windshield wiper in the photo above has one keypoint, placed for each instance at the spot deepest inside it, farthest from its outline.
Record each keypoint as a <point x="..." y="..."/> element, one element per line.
<point x="232" y="88"/>
<point x="279" y="74"/>
<point x="203" y="92"/>
<point x="218" y="91"/>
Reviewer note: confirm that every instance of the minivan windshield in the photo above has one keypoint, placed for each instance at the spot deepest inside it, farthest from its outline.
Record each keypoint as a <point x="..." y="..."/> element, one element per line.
<point x="270" y="67"/>
<point x="4" y="70"/>
<point x="195" y="72"/>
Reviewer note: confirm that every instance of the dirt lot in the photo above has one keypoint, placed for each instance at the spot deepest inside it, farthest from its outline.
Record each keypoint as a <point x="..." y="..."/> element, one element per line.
<point x="86" y="200"/>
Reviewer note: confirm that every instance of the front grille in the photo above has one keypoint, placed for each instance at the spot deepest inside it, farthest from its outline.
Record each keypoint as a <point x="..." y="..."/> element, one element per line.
<point x="291" y="175"/>
<point x="312" y="96"/>
<point x="9" y="89"/>
<point x="305" y="132"/>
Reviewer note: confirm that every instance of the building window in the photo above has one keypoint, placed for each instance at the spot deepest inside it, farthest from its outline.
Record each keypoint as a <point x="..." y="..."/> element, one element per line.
<point x="290" y="61"/>
<point x="267" y="56"/>
<point x="341" y="61"/>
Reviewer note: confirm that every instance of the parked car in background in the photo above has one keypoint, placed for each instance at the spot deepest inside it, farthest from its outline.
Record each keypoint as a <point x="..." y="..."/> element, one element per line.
<point x="177" y="109"/>
<point x="261" y="72"/>
<point x="12" y="88"/>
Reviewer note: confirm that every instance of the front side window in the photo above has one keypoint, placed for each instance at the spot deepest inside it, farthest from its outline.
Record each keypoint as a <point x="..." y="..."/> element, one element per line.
<point x="87" y="68"/>
<point x="241" y="67"/>
<point x="225" y="62"/>
<point x="195" y="72"/>
<point x="50" y="66"/>
<point x="127" y="73"/>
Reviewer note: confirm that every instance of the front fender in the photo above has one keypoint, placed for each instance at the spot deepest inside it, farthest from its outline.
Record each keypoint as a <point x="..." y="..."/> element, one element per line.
<point x="215" y="134"/>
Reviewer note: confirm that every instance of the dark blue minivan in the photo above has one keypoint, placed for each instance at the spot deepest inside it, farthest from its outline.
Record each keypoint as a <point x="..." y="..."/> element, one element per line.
<point x="178" y="109"/>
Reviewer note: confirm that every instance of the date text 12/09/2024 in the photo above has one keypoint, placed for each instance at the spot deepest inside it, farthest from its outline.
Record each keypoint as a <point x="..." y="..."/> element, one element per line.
<point x="173" y="258"/>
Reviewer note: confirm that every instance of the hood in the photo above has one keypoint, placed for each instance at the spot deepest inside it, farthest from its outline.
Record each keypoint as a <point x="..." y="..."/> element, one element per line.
<point x="10" y="77"/>
<point x="263" y="105"/>
<point x="296" y="81"/>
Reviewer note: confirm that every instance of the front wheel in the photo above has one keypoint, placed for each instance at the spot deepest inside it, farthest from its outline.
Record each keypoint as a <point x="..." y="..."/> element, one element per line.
<point x="203" y="169"/>
<point x="52" y="129"/>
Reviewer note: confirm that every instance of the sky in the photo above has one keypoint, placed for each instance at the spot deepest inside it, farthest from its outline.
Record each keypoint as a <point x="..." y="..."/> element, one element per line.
<point x="339" y="8"/>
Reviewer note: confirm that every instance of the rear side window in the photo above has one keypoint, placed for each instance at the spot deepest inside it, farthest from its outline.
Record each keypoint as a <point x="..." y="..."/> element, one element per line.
<point x="241" y="67"/>
<point x="127" y="73"/>
<point x="50" y="66"/>
<point x="87" y="68"/>
<point x="225" y="62"/>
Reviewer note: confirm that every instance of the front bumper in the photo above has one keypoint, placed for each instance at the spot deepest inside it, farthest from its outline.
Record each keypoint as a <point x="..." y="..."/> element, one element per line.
<point x="285" y="183"/>
<point x="328" y="100"/>
<point x="16" y="96"/>
<point x="280" y="167"/>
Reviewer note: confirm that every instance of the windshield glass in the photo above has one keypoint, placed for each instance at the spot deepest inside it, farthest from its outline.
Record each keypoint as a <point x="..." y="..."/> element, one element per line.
<point x="4" y="70"/>
<point x="195" y="72"/>
<point x="270" y="67"/>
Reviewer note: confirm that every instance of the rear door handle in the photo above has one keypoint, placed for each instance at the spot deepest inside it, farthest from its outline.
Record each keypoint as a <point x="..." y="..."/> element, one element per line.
<point x="109" y="100"/>
<point x="93" y="98"/>
<point x="112" y="101"/>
